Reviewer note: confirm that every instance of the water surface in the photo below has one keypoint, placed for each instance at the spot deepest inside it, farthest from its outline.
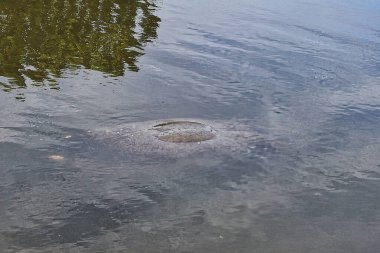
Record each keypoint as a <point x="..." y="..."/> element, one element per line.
<point x="304" y="75"/>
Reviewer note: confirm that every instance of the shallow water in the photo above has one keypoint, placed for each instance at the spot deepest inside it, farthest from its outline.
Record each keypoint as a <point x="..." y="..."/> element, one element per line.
<point x="304" y="76"/>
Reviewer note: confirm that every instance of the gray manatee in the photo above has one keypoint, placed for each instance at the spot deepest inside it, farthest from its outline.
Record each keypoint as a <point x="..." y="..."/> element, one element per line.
<point x="178" y="137"/>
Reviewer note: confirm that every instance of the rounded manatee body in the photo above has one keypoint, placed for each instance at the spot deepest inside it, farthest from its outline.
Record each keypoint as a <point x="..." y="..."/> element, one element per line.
<point x="184" y="131"/>
<point x="177" y="137"/>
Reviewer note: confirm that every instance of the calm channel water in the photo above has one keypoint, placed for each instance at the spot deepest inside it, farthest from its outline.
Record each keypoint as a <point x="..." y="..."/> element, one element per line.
<point x="303" y="74"/>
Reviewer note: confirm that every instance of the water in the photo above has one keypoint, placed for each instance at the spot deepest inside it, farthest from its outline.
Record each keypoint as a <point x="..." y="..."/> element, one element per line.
<point x="302" y="74"/>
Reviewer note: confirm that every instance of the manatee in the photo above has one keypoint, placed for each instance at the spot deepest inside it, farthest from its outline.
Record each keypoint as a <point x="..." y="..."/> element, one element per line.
<point x="178" y="137"/>
<point x="184" y="131"/>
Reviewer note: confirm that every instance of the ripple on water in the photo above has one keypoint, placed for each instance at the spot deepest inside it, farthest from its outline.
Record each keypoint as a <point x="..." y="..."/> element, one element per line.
<point x="177" y="137"/>
<point x="184" y="131"/>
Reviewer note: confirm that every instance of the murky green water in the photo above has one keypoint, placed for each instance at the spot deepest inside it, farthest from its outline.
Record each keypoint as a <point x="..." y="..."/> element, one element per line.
<point x="301" y="76"/>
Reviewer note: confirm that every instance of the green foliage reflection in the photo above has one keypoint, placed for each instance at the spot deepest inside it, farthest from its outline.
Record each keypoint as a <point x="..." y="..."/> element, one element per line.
<point x="41" y="38"/>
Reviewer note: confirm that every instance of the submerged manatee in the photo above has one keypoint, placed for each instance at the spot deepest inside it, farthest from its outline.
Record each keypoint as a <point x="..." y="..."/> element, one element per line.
<point x="177" y="137"/>
<point x="184" y="131"/>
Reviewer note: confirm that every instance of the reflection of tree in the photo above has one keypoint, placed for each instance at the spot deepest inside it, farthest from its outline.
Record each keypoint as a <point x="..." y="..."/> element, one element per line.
<point x="40" y="38"/>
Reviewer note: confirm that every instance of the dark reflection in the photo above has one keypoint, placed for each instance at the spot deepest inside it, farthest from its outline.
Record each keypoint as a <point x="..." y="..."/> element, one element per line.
<point x="87" y="220"/>
<point x="84" y="221"/>
<point x="39" y="39"/>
